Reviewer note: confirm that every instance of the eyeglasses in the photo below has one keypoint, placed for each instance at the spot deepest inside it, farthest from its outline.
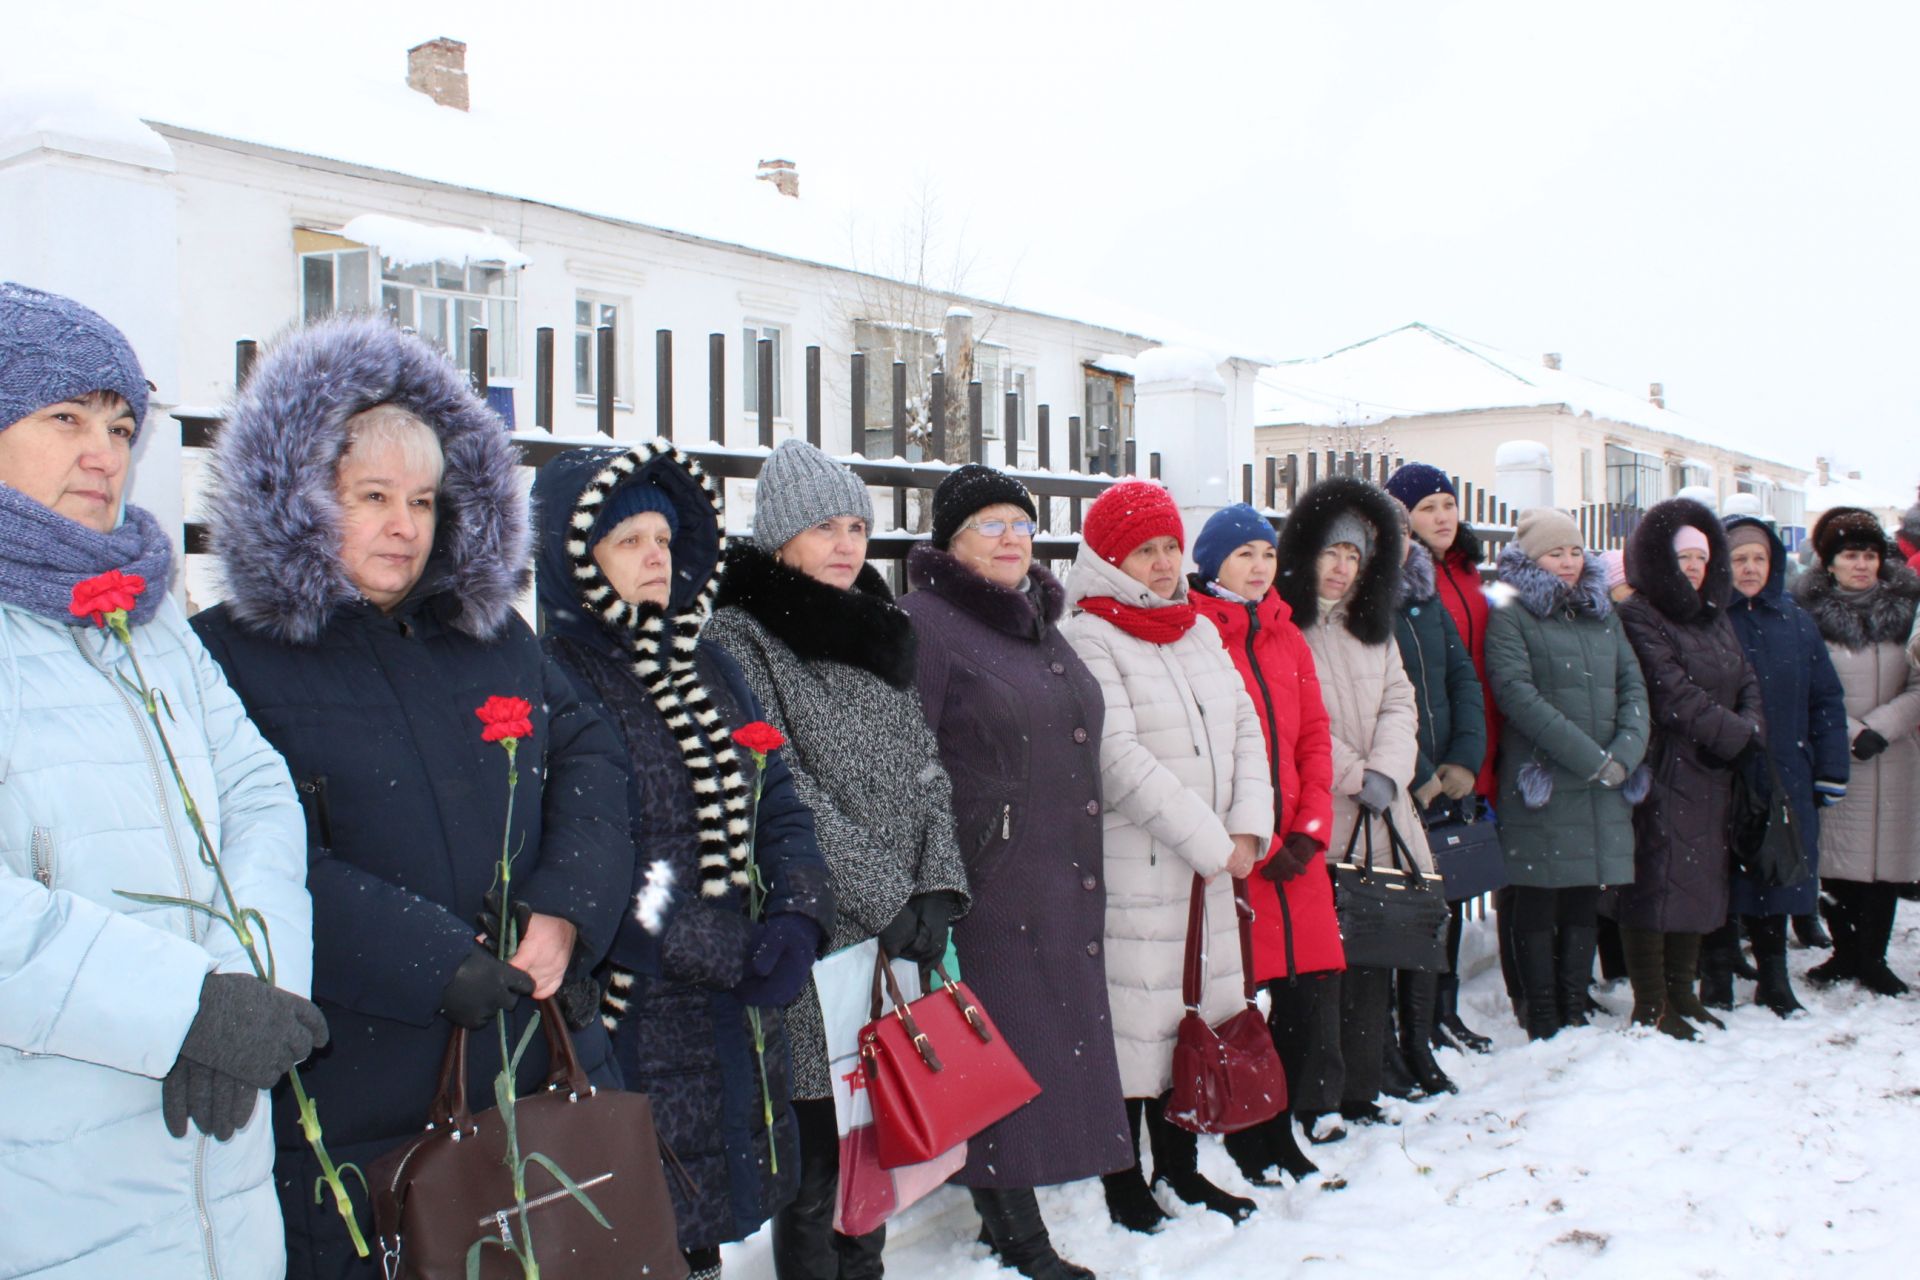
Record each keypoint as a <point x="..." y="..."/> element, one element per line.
<point x="998" y="528"/>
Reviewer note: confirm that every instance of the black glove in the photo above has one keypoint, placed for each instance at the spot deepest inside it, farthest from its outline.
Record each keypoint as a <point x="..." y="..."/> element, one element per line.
<point x="898" y="935"/>
<point x="1867" y="744"/>
<point x="245" y="1036"/>
<point x="489" y="920"/>
<point x="934" y="919"/>
<point x="482" y="986"/>
<point x="779" y="960"/>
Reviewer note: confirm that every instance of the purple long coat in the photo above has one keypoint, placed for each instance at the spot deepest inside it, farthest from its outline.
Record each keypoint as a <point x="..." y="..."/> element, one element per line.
<point x="1018" y="720"/>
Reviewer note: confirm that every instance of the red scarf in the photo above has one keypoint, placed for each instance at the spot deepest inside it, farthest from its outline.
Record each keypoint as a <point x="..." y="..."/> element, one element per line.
<point x="1163" y="625"/>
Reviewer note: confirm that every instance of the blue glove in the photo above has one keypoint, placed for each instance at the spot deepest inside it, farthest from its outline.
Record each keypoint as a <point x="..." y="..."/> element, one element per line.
<point x="779" y="960"/>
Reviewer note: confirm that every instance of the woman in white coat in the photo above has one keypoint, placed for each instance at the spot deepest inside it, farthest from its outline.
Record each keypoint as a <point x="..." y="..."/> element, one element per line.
<point x="1340" y="557"/>
<point x="1183" y="773"/>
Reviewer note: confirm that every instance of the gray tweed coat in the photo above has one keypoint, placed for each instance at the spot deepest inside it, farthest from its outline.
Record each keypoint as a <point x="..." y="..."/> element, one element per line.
<point x="834" y="672"/>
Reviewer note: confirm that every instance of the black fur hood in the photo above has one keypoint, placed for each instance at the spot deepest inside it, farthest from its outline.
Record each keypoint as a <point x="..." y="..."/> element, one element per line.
<point x="1883" y="615"/>
<point x="1653" y="570"/>
<point x="861" y="626"/>
<point x="1372" y="603"/>
<point x="1541" y="593"/>
<point x="271" y="507"/>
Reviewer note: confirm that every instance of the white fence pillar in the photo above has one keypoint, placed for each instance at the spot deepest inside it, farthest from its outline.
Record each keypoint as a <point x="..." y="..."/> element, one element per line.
<point x="1523" y="474"/>
<point x="1180" y="413"/>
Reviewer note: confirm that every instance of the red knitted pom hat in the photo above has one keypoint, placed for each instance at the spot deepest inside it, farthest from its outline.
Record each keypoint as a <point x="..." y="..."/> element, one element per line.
<point x="1130" y="513"/>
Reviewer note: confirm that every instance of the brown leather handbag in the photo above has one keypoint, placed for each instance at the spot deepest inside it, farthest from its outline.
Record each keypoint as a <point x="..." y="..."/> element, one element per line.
<point x="436" y="1196"/>
<point x="1225" y="1078"/>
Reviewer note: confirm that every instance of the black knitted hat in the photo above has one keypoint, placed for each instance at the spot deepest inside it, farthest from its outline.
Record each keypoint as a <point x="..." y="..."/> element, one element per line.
<point x="969" y="488"/>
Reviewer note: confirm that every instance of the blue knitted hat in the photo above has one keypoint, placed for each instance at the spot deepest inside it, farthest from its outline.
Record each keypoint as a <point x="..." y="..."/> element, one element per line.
<point x="1226" y="531"/>
<point x="631" y="500"/>
<point x="54" y="349"/>
<point x="1416" y="480"/>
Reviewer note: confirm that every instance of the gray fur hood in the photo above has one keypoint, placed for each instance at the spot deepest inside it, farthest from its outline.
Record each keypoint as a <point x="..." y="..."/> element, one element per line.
<point x="271" y="506"/>
<point x="1541" y="593"/>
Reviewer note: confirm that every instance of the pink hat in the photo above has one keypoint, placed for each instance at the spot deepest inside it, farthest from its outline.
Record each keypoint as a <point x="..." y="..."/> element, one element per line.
<point x="1616" y="562"/>
<point x="1690" y="539"/>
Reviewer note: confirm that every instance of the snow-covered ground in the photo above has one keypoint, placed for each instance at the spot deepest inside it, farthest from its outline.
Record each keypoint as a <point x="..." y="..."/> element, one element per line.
<point x="1770" y="1149"/>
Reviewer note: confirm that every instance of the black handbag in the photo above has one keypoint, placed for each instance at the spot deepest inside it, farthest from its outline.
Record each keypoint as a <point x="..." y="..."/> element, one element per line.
<point x="1763" y="829"/>
<point x="1393" y="916"/>
<point x="1466" y="849"/>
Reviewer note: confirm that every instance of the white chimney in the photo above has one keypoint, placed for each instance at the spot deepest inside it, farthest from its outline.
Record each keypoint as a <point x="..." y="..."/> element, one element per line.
<point x="438" y="69"/>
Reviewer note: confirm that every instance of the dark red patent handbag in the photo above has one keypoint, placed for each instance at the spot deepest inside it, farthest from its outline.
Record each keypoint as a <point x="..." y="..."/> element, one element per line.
<point x="937" y="1070"/>
<point x="1225" y="1078"/>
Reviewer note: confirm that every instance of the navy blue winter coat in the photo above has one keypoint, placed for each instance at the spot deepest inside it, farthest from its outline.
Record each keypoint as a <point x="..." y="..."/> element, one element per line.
<point x="680" y="1035"/>
<point x="1806" y="715"/>
<point x="374" y="713"/>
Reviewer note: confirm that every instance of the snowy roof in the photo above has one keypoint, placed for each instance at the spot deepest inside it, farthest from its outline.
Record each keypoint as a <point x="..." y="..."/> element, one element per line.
<point x="1418" y="369"/>
<point x="1842" y="491"/>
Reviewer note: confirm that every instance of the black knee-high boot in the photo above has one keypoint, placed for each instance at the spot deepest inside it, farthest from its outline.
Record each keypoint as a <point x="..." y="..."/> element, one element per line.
<point x="1774" y="989"/>
<point x="805" y="1245"/>
<point x="1448" y="1029"/>
<point x="1882" y="902"/>
<point x="1419" y="993"/>
<point x="1012" y="1227"/>
<point x="1645" y="951"/>
<point x="1176" y="1162"/>
<point x="1129" y="1202"/>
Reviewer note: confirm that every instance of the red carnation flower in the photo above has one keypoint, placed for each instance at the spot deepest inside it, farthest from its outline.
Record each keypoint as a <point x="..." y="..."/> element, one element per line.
<point x="102" y="594"/>
<point x="760" y="738"/>
<point x="505" y="718"/>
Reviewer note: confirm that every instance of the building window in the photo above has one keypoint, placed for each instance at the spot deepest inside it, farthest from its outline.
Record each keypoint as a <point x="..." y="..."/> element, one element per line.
<point x="444" y="301"/>
<point x="590" y="311"/>
<point x="1108" y="424"/>
<point x="335" y="274"/>
<point x="883" y="343"/>
<point x="1691" y="473"/>
<point x="993" y="366"/>
<point x="750" y="338"/>
<point x="1634" y="479"/>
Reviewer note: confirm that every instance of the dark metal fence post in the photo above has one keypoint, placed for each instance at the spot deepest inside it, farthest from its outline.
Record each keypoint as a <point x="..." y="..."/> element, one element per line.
<point x="1045" y="426"/>
<point x="1292" y="475"/>
<point x="717" y="387"/>
<point x="1313" y="469"/>
<point x="937" y="412"/>
<point x="543" y="379"/>
<point x="857" y="398"/>
<point x="1153" y="464"/>
<point x="607" y="388"/>
<point x="1133" y="459"/>
<point x="764" y="358"/>
<point x="1273" y="482"/>
<point x="1075" y="448"/>
<point x="1010" y="430"/>
<point x="245" y="352"/>
<point x="477" y="359"/>
<point x="1246" y="483"/>
<point x="813" y="396"/>
<point x="977" y="452"/>
<point x="900" y="439"/>
<point x="663" y="383"/>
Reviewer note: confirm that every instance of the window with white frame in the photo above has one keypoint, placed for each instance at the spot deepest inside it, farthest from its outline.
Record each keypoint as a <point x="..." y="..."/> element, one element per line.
<point x="591" y="311"/>
<point x="1691" y="472"/>
<point x="1634" y="479"/>
<point x="444" y="301"/>
<point x="1108" y="423"/>
<point x="998" y="375"/>
<point x="751" y="335"/>
<point x="336" y="275"/>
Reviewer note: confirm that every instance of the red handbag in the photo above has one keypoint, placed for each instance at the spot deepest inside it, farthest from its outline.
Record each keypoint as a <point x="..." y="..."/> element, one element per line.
<point x="1225" y="1078"/>
<point x="937" y="1070"/>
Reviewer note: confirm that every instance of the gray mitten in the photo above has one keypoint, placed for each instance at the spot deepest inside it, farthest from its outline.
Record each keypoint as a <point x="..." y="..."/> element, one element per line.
<point x="1536" y="785"/>
<point x="1376" y="791"/>
<point x="1639" y="783"/>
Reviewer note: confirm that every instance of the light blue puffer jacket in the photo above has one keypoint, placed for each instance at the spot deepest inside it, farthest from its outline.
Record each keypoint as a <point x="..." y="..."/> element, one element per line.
<point x="97" y="991"/>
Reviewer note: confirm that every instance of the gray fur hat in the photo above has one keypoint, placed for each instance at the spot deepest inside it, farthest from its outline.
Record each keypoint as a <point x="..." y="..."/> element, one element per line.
<point x="798" y="488"/>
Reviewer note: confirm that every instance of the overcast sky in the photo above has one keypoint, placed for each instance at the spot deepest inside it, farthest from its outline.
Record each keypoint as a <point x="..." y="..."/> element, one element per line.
<point x="1717" y="196"/>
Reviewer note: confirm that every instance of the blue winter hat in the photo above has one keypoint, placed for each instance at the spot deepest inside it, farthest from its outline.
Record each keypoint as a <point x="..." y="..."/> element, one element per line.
<point x="1417" y="480"/>
<point x="1226" y="531"/>
<point x="54" y="349"/>
<point x="630" y="500"/>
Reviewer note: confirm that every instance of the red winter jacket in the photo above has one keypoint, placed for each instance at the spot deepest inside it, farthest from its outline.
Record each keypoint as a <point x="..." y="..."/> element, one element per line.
<point x="1457" y="582"/>
<point x="1296" y="931"/>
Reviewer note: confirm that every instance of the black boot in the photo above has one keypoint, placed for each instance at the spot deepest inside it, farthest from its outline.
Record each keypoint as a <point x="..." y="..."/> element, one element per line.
<point x="1419" y="992"/>
<point x="1573" y="948"/>
<point x="805" y="1245"/>
<point x="1509" y="970"/>
<point x="1742" y="967"/>
<point x="1011" y="1225"/>
<point x="1533" y="958"/>
<point x="1176" y="1162"/>
<point x="1809" y="932"/>
<point x="1252" y="1150"/>
<point x="1682" y="963"/>
<point x="1876" y="932"/>
<point x="1645" y="954"/>
<point x="1717" y="952"/>
<point x="1448" y="1030"/>
<point x="1396" y="1076"/>
<point x="1838" y="903"/>
<point x="1774" y="989"/>
<point x="1129" y="1203"/>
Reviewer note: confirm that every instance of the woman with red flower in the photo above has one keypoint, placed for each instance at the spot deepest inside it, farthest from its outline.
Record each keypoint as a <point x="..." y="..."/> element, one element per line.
<point x="135" y="1038"/>
<point x="374" y="537"/>
<point x="701" y="971"/>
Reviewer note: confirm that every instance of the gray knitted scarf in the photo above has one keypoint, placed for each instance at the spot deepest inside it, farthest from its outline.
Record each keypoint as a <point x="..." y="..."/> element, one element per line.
<point x="43" y="555"/>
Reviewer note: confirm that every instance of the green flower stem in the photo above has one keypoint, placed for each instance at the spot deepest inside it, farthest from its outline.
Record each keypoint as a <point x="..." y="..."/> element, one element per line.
<point x="756" y="908"/>
<point x="236" y="919"/>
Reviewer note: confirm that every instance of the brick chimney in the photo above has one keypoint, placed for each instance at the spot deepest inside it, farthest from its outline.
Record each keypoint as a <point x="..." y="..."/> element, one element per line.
<point x="783" y="175"/>
<point x="438" y="69"/>
<point x="1820" y="466"/>
<point x="1551" y="359"/>
<point x="1657" y="394"/>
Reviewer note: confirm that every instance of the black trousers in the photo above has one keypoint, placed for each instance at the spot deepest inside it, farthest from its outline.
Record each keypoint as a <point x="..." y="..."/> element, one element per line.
<point x="1305" y="1021"/>
<point x="1364" y="996"/>
<point x="805" y="1245"/>
<point x="1550" y="910"/>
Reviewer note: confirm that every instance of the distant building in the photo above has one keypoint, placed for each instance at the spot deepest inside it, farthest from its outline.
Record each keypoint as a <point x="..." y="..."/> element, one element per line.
<point x="1420" y="392"/>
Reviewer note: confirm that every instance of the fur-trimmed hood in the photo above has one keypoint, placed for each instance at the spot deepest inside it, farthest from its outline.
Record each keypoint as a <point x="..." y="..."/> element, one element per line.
<point x="1653" y="569"/>
<point x="861" y="626"/>
<point x="1371" y="604"/>
<point x="271" y="509"/>
<point x="1774" y="592"/>
<point x="1542" y="593"/>
<point x="1027" y="614"/>
<point x="1883" y="615"/>
<point x="1417" y="585"/>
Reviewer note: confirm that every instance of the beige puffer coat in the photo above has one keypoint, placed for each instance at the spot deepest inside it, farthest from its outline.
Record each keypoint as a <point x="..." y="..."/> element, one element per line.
<point x="1376" y="725"/>
<point x="1183" y="768"/>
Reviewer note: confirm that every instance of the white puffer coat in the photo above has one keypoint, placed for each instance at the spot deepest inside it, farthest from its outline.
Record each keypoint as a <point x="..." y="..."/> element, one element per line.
<point x="1183" y="768"/>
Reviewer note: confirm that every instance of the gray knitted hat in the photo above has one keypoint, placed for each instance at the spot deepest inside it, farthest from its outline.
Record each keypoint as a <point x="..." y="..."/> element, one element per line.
<point x="798" y="488"/>
<point x="54" y="349"/>
<point x="1350" y="528"/>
